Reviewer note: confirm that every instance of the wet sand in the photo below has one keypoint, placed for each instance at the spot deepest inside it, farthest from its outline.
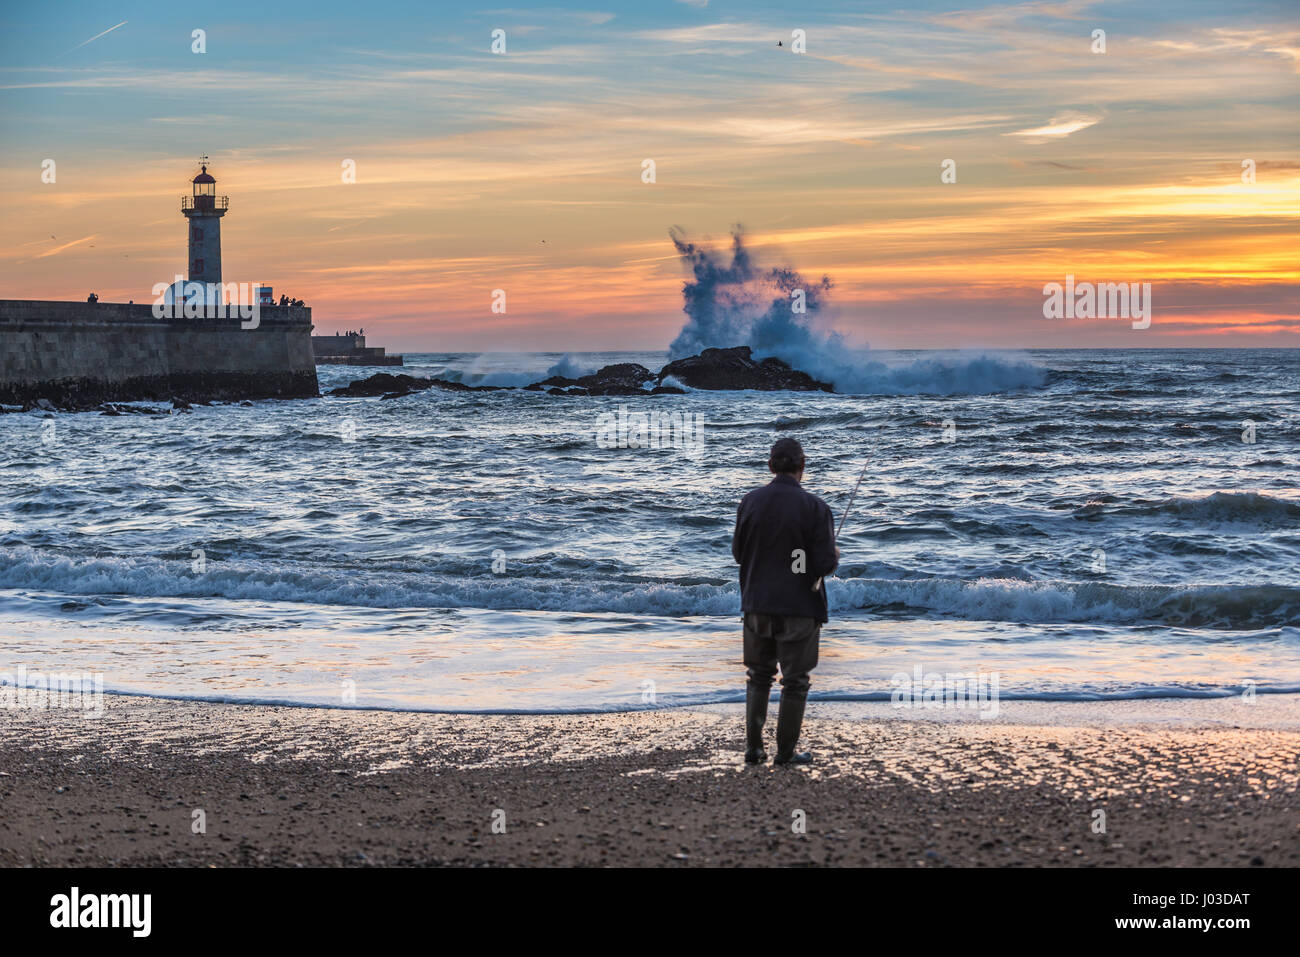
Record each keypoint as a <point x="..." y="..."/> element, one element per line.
<point x="1180" y="783"/>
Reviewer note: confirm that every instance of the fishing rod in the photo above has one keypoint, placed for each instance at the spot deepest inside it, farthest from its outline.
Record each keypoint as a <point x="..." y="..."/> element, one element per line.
<point x="817" y="585"/>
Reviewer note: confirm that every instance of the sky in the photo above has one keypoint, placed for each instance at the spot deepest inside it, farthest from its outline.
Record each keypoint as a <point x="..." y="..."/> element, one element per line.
<point x="524" y="170"/>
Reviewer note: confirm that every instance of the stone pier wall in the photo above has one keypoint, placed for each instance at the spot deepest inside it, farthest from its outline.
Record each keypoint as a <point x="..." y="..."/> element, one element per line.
<point x="79" y="354"/>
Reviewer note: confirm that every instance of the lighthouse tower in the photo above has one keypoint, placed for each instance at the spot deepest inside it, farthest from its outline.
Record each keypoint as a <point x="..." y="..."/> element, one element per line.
<point x="204" y="210"/>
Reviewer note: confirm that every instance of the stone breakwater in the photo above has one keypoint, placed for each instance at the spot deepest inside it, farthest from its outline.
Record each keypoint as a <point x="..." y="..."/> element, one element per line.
<point x="712" y="369"/>
<point x="78" y="355"/>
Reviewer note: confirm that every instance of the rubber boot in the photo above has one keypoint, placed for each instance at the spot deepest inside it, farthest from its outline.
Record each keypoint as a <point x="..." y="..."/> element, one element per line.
<point x="755" y="718"/>
<point x="788" y="722"/>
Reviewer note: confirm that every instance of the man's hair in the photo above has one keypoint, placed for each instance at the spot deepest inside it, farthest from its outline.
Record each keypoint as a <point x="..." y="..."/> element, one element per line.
<point x="786" y="457"/>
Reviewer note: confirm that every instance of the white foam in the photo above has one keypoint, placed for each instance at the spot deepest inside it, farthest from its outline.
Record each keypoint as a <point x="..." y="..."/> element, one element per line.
<point x="1239" y="606"/>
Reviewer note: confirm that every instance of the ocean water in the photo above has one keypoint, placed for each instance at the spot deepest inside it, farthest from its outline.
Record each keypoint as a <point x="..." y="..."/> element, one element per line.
<point x="1083" y="524"/>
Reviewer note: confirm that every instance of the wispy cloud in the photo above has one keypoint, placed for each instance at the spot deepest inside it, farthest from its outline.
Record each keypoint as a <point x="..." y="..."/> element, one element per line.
<point x="1059" y="127"/>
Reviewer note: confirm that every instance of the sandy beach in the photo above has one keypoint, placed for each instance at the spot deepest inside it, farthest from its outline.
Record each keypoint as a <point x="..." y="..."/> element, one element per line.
<point x="1180" y="783"/>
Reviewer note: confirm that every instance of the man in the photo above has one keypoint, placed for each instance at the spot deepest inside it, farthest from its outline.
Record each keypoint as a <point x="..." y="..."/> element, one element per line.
<point x="785" y="544"/>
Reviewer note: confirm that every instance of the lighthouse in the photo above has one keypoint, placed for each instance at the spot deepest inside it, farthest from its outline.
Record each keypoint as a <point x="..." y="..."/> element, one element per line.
<point x="204" y="209"/>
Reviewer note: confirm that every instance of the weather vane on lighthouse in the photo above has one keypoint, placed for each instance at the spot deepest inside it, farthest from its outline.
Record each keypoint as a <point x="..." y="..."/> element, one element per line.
<point x="203" y="160"/>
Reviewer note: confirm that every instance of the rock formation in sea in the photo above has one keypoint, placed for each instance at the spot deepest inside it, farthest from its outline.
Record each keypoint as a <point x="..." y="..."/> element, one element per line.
<point x="623" y="378"/>
<point x="712" y="369"/>
<point x="736" y="368"/>
<point x="389" y="386"/>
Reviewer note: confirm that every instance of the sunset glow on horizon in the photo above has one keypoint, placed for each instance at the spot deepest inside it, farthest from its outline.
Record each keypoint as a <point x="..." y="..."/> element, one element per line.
<point x="523" y="171"/>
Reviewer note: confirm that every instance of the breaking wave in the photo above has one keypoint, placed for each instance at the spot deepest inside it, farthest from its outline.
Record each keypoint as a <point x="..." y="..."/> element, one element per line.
<point x="568" y="366"/>
<point x="1220" y="507"/>
<point x="1246" y="607"/>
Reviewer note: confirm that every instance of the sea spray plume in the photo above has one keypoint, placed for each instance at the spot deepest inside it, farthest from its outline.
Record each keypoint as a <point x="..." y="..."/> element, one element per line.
<point x="744" y="304"/>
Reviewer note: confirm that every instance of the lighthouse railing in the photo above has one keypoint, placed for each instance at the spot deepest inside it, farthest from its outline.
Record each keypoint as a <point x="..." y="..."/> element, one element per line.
<point x="209" y="202"/>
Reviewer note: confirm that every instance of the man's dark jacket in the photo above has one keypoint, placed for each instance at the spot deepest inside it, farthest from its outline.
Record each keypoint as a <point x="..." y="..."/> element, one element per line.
<point x="773" y="524"/>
